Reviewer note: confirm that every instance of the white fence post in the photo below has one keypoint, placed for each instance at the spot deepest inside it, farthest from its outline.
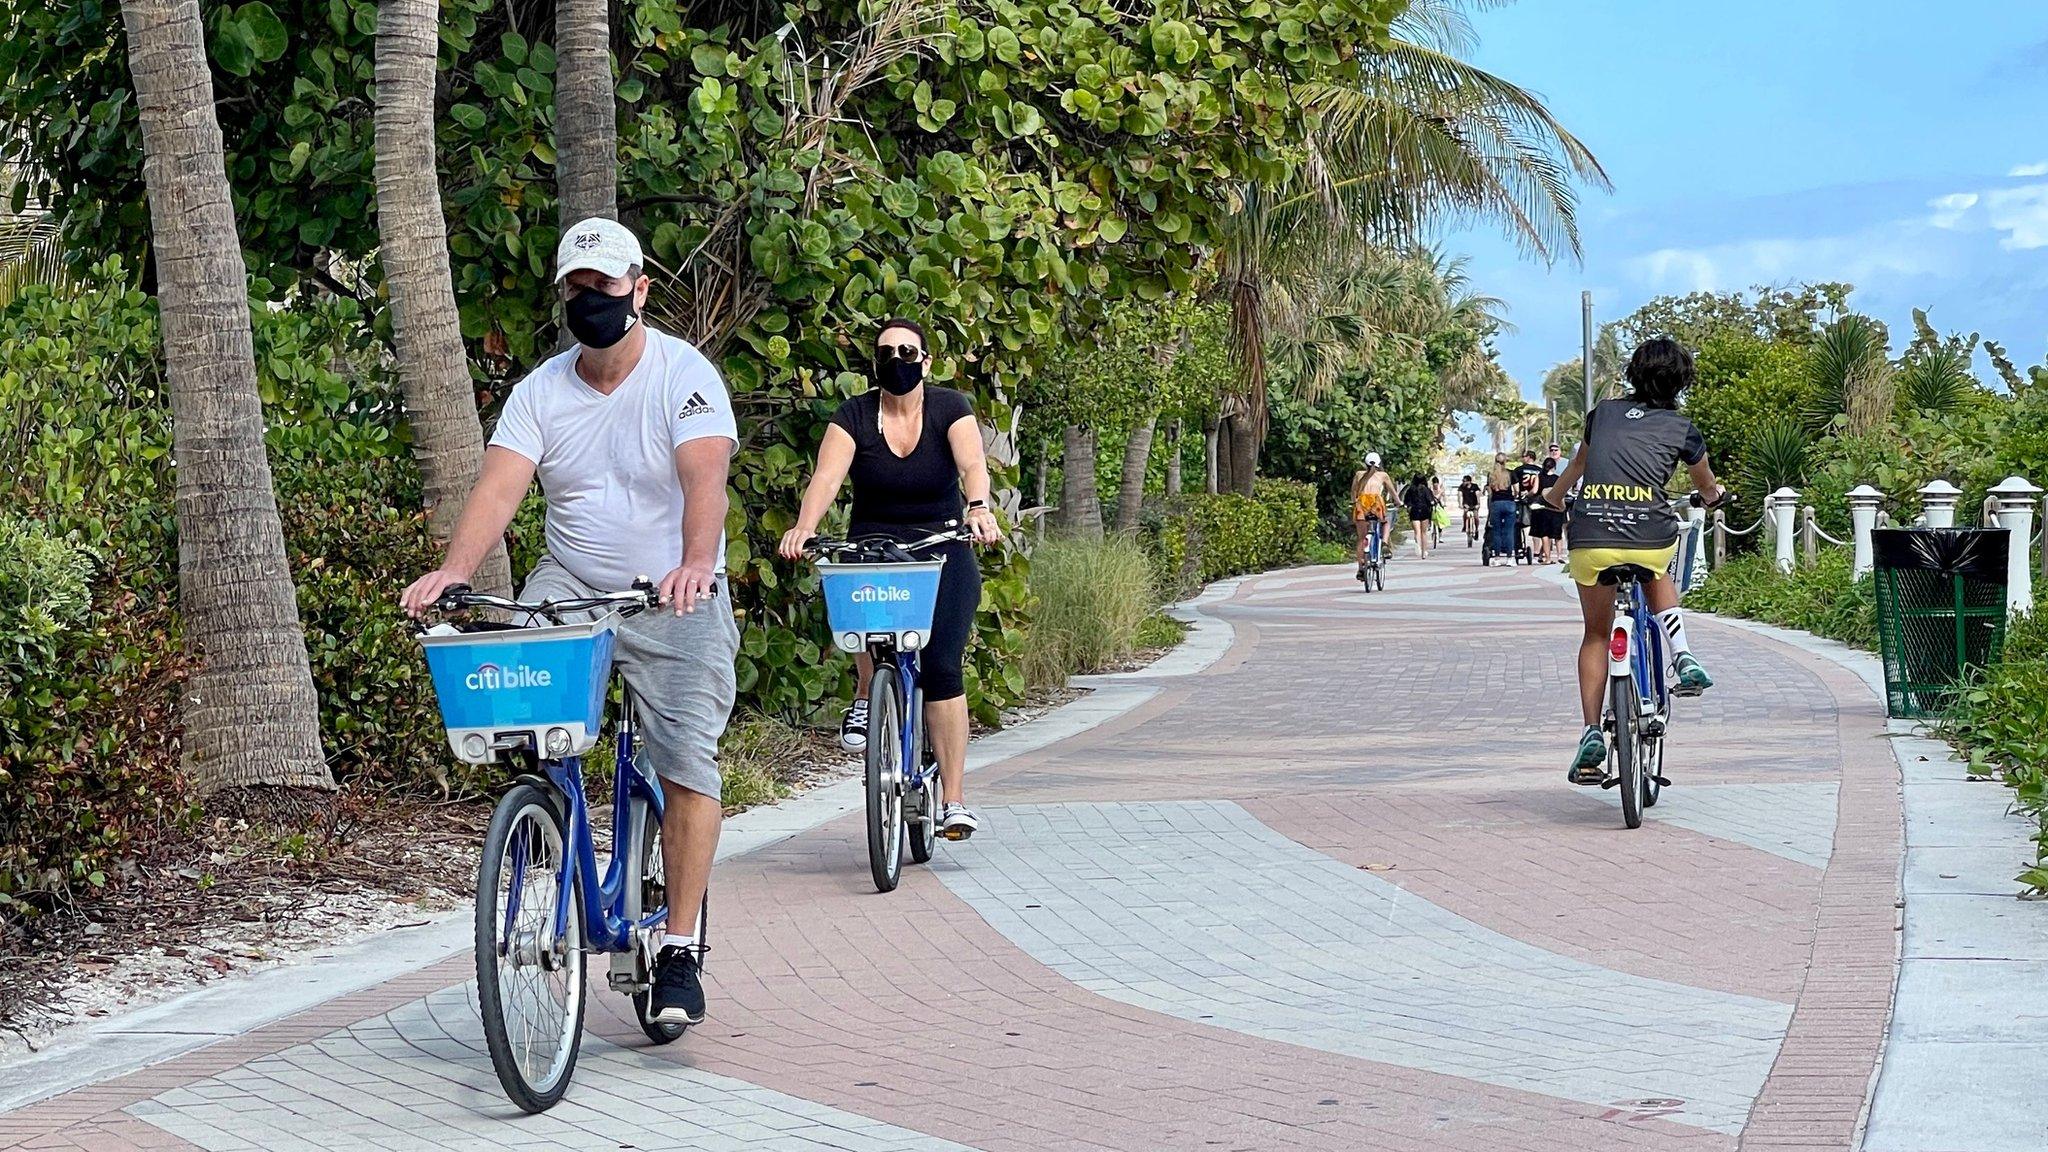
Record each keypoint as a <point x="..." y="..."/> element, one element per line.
<point x="1784" y="505"/>
<point x="1863" y="502"/>
<point x="1938" y="501"/>
<point x="2016" y="516"/>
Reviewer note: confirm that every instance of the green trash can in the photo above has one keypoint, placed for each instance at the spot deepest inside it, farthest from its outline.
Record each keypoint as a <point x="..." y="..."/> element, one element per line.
<point x="1940" y="612"/>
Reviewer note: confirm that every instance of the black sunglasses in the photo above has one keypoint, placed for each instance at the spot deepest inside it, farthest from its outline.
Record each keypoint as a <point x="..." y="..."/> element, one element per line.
<point x="908" y="353"/>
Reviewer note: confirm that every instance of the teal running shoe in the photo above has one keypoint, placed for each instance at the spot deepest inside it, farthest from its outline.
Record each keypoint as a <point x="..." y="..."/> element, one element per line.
<point x="1589" y="764"/>
<point x="1692" y="677"/>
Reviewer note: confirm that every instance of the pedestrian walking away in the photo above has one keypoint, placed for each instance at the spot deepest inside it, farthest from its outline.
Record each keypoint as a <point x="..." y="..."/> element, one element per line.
<point x="1421" y="499"/>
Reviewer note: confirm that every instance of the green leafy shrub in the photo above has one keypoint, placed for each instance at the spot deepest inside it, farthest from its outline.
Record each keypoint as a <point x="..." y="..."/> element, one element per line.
<point x="1196" y="539"/>
<point x="1820" y="598"/>
<point x="45" y="589"/>
<point x="1093" y="598"/>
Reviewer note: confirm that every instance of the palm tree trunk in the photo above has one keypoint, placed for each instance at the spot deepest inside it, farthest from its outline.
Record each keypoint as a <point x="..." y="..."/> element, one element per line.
<point x="586" y="114"/>
<point x="1080" y="503"/>
<point x="1130" y="490"/>
<point x="1243" y="445"/>
<point x="250" y="713"/>
<point x="1173" y="458"/>
<point x="440" y="402"/>
<point x="1212" y="430"/>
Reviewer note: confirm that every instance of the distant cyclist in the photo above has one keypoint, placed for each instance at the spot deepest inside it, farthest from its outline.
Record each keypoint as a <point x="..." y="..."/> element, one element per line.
<point x="1468" y="500"/>
<point x="1621" y="516"/>
<point x="1372" y="493"/>
<point x="913" y="449"/>
<point x="1421" y="501"/>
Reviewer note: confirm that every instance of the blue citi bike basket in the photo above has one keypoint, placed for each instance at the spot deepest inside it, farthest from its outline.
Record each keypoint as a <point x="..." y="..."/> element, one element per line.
<point x="534" y="699"/>
<point x="511" y="687"/>
<point x="879" y="599"/>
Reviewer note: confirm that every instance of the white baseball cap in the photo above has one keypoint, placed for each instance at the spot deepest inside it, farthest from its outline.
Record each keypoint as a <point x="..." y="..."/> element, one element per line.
<point x="1372" y="458"/>
<point x="605" y="245"/>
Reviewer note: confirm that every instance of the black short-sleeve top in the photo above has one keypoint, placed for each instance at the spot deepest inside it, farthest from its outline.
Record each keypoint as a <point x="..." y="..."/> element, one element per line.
<point x="922" y="488"/>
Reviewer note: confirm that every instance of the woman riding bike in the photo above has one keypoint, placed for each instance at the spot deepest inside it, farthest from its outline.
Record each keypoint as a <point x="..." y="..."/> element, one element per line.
<point x="1372" y="493"/>
<point x="912" y="450"/>
<point x="1621" y="516"/>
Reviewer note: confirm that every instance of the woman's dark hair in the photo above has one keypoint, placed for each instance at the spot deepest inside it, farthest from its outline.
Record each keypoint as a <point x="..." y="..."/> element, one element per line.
<point x="911" y="325"/>
<point x="1659" y="370"/>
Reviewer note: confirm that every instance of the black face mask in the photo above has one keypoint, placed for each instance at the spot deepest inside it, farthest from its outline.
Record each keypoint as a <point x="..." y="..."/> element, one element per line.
<point x="598" y="320"/>
<point x="898" y="377"/>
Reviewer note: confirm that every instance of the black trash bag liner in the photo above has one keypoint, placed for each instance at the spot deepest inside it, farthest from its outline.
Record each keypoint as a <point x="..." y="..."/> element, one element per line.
<point x="1974" y="552"/>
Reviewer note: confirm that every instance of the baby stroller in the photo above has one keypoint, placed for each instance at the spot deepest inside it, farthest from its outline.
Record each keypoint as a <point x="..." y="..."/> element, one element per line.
<point x="1503" y="531"/>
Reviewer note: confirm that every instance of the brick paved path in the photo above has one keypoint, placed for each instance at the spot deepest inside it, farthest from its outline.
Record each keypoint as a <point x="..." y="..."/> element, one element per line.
<point x="1331" y="893"/>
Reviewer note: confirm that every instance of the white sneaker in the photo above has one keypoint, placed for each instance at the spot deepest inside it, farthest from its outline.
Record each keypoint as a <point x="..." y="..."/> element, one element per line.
<point x="853" y="729"/>
<point x="958" y="822"/>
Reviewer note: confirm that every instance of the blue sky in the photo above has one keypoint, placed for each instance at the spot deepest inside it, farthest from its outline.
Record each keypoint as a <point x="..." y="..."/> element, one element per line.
<point x="1900" y="146"/>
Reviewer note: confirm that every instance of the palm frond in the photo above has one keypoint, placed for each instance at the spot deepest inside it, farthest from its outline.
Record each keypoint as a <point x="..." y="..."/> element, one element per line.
<point x="31" y="252"/>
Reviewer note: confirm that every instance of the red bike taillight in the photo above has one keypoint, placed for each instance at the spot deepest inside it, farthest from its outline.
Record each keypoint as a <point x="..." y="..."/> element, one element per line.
<point x="1617" y="645"/>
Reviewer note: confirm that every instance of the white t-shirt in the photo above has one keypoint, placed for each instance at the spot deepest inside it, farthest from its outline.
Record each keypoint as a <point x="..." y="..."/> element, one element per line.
<point x="607" y="463"/>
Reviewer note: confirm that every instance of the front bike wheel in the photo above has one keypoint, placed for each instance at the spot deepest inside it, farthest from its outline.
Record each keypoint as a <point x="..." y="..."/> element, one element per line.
<point x="529" y="981"/>
<point x="885" y="780"/>
<point x="652" y="892"/>
<point x="1628" y="768"/>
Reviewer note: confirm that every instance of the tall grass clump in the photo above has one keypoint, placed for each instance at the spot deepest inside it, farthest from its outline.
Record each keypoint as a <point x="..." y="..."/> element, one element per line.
<point x="1092" y="599"/>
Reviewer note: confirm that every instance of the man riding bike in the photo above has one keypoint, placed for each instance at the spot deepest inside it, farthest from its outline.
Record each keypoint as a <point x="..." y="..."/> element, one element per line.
<point x="1372" y="493"/>
<point x="1621" y="516"/>
<point x="631" y="434"/>
<point x="1468" y="500"/>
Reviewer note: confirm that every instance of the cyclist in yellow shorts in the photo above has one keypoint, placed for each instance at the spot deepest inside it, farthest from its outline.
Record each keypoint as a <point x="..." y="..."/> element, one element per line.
<point x="1622" y="516"/>
<point x="1372" y="493"/>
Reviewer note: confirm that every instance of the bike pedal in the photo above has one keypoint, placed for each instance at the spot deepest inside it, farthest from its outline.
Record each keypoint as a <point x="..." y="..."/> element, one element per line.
<point x="1610" y="782"/>
<point x="956" y="834"/>
<point x="1661" y="782"/>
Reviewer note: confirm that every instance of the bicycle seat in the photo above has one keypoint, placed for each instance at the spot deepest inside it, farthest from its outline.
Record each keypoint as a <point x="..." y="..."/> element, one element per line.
<point x="1627" y="573"/>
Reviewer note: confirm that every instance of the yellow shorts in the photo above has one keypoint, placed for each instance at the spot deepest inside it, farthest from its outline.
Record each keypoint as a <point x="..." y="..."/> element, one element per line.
<point x="1587" y="563"/>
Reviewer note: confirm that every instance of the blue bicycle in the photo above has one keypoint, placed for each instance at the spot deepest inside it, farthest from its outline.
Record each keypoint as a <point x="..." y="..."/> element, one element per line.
<point x="879" y="599"/>
<point x="1639" y="691"/>
<point x="1373" y="573"/>
<point x="535" y="697"/>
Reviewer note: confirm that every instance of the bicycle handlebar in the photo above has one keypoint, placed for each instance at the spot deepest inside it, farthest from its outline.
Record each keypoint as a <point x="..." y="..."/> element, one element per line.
<point x="458" y="597"/>
<point x="822" y="546"/>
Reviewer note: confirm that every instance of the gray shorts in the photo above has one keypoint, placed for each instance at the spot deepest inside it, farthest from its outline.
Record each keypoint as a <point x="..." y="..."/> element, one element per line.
<point x="680" y="671"/>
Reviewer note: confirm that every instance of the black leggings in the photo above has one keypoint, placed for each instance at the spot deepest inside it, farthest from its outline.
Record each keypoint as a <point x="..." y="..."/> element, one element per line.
<point x="940" y="664"/>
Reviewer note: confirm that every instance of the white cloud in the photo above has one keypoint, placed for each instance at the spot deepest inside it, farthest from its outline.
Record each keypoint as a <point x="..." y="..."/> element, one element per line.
<point x="2020" y="213"/>
<point x="1904" y="248"/>
<point x="2039" y="169"/>
<point x="1949" y="210"/>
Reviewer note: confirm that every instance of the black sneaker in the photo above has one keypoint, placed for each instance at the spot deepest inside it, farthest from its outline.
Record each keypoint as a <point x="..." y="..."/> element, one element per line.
<point x="678" y="993"/>
<point x="853" y="730"/>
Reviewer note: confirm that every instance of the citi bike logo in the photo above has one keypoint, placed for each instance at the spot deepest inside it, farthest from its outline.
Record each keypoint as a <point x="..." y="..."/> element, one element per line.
<point x="491" y="678"/>
<point x="869" y="594"/>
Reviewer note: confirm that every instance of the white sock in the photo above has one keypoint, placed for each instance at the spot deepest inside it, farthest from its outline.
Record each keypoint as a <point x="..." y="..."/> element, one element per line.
<point x="1673" y="622"/>
<point x="671" y="940"/>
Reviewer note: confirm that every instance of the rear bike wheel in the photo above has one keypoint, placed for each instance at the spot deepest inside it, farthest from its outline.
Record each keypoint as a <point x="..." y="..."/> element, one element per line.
<point x="529" y="983"/>
<point x="652" y="892"/>
<point x="1628" y="768"/>
<point x="885" y="780"/>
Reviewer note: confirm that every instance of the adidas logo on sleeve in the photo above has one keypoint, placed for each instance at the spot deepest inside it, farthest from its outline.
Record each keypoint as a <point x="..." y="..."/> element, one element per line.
<point x="695" y="406"/>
